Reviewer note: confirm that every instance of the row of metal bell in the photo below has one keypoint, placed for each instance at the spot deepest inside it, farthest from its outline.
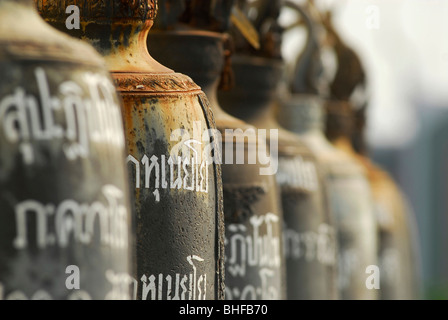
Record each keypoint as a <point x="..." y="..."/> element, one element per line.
<point x="123" y="179"/>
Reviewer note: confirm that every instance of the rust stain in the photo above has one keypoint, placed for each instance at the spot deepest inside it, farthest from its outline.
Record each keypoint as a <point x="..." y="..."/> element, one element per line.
<point x="102" y="11"/>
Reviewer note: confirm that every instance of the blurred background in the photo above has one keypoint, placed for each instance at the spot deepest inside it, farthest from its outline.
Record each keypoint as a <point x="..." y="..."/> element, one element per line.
<point x="403" y="45"/>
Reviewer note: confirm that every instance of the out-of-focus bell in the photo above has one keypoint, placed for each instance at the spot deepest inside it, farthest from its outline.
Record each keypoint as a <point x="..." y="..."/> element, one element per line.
<point x="346" y="115"/>
<point x="350" y="199"/>
<point x="398" y="242"/>
<point x="310" y="244"/>
<point x="65" y="214"/>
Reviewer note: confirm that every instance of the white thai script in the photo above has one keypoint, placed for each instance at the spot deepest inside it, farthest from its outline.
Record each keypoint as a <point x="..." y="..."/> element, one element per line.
<point x="73" y="218"/>
<point x="74" y="116"/>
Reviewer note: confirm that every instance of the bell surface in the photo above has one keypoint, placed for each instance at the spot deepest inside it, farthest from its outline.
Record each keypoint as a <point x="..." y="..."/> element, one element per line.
<point x="398" y="261"/>
<point x="255" y="265"/>
<point x="349" y="195"/>
<point x="65" y="222"/>
<point x="309" y="235"/>
<point x="303" y="110"/>
<point x="177" y="188"/>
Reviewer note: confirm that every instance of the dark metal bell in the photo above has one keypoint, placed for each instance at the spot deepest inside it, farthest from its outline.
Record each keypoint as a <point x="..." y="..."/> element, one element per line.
<point x="349" y="193"/>
<point x="177" y="185"/>
<point x="309" y="236"/>
<point x="310" y="244"/>
<point x="65" y="214"/>
<point x="358" y="234"/>
<point x="254" y="261"/>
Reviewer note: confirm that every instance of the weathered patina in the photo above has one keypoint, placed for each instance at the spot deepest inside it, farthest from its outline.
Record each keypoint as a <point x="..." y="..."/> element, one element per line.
<point x="177" y="187"/>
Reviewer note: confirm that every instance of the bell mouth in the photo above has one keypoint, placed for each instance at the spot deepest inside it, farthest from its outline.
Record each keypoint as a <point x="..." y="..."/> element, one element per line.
<point x="339" y="118"/>
<point x="100" y="12"/>
<point x="255" y="74"/>
<point x="197" y="53"/>
<point x="191" y="32"/>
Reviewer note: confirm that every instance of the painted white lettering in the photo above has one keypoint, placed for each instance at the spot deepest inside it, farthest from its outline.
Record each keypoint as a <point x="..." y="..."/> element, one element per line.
<point x="74" y="221"/>
<point x="186" y="287"/>
<point x="86" y="114"/>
